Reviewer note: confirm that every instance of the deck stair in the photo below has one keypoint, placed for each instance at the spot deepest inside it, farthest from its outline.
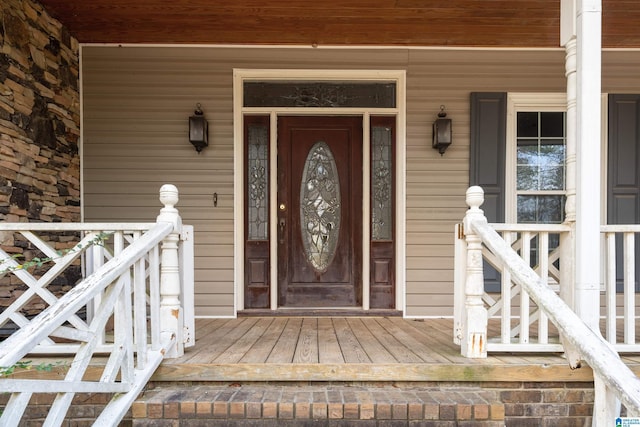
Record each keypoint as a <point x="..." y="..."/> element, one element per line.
<point x="223" y="381"/>
<point x="317" y="404"/>
<point x="275" y="372"/>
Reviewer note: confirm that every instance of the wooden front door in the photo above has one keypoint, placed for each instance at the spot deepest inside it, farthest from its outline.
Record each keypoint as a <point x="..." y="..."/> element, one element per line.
<point x="319" y="211"/>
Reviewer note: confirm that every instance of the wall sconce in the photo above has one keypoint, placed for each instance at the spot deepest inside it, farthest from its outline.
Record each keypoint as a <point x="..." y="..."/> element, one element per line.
<point x="442" y="132"/>
<point x="198" y="129"/>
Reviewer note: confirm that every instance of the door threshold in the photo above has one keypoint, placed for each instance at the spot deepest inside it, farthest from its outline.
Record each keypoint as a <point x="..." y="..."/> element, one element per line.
<point x="319" y="312"/>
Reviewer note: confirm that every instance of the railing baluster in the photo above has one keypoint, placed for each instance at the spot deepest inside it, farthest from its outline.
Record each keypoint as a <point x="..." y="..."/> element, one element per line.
<point x="543" y="258"/>
<point x="154" y="297"/>
<point x="140" y="312"/>
<point x="94" y="262"/>
<point x="121" y="359"/>
<point x="606" y="406"/>
<point x="611" y="294"/>
<point x="118" y="247"/>
<point x="459" y="272"/>
<point x="126" y="306"/>
<point x="15" y="408"/>
<point x="524" y="296"/>
<point x="506" y="298"/>
<point x="629" y="288"/>
<point x="187" y="284"/>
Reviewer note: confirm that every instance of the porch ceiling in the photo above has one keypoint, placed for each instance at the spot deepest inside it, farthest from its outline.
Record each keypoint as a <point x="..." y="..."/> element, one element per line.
<point x="494" y="23"/>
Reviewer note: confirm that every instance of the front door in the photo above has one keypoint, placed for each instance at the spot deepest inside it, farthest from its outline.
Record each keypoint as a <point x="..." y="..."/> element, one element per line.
<point x="319" y="211"/>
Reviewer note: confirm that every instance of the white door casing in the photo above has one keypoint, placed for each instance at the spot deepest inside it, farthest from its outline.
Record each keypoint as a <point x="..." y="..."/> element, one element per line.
<point x="396" y="76"/>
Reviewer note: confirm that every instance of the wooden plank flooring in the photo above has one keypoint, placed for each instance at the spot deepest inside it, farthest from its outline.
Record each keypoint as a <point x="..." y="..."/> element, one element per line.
<point x="351" y="349"/>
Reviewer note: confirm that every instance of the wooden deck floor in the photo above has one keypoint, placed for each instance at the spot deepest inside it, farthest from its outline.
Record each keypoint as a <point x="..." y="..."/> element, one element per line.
<point x="351" y="349"/>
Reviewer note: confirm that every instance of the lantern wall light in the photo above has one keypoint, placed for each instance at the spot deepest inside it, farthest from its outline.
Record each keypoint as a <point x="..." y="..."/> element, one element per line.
<point x="198" y="129"/>
<point x="442" y="132"/>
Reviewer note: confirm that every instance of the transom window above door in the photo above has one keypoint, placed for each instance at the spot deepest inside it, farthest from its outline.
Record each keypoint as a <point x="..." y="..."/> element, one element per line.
<point x="319" y="94"/>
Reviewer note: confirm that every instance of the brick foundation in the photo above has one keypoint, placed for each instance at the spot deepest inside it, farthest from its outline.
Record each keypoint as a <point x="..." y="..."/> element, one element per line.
<point x="429" y="404"/>
<point x="515" y="404"/>
<point x="84" y="410"/>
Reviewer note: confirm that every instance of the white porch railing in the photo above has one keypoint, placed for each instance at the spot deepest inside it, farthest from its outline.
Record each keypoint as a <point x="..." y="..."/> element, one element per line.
<point x="130" y="305"/>
<point x="621" y="290"/>
<point x="523" y="327"/>
<point x="538" y="302"/>
<point x="512" y="304"/>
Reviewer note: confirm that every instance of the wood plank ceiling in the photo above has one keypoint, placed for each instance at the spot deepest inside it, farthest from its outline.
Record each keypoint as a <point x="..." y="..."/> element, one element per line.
<point x="492" y="23"/>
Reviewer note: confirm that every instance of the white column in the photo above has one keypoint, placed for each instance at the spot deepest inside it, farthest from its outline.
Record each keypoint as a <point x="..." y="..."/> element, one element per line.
<point x="570" y="173"/>
<point x="588" y="36"/>
<point x="567" y="240"/>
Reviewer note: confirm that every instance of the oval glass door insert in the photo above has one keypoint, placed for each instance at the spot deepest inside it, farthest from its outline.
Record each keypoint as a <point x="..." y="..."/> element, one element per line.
<point x="320" y="206"/>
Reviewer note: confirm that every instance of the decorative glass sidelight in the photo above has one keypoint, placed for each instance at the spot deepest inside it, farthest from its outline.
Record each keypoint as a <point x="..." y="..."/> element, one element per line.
<point x="381" y="183"/>
<point x="258" y="181"/>
<point x="320" y="206"/>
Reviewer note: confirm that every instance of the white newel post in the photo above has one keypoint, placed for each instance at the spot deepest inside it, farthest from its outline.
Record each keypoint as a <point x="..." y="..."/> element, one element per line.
<point x="171" y="315"/>
<point x="474" y="336"/>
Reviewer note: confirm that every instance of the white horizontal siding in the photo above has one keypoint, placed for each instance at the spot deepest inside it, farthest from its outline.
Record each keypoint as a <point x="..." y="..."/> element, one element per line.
<point x="136" y="101"/>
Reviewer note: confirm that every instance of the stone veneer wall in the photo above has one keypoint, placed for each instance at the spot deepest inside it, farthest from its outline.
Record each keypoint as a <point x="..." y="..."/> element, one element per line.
<point x="39" y="125"/>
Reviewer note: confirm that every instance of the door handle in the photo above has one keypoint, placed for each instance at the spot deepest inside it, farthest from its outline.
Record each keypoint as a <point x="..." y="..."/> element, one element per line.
<point x="281" y="224"/>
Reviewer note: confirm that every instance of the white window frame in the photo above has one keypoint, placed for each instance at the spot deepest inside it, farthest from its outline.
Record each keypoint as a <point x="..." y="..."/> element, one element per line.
<point x="523" y="102"/>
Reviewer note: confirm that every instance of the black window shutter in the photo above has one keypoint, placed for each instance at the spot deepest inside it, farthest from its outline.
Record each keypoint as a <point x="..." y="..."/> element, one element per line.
<point x="487" y="160"/>
<point x="623" y="169"/>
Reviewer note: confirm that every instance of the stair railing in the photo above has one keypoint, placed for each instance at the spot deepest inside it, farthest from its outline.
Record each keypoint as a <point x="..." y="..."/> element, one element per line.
<point x="614" y="381"/>
<point x="129" y="308"/>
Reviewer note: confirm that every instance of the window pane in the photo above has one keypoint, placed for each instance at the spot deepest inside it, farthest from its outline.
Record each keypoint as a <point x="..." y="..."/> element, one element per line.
<point x="550" y="209"/>
<point x="552" y="124"/>
<point x="527" y="125"/>
<point x="540" y="209"/>
<point x="552" y="154"/>
<point x="551" y="178"/>
<point x="528" y="178"/>
<point x="527" y="209"/>
<point x="527" y="154"/>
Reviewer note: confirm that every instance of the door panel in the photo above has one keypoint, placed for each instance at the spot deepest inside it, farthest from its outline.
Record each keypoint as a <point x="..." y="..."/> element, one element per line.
<point x="319" y="199"/>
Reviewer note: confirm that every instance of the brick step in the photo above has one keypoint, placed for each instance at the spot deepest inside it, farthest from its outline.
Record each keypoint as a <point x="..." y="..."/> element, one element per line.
<point x="316" y="405"/>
